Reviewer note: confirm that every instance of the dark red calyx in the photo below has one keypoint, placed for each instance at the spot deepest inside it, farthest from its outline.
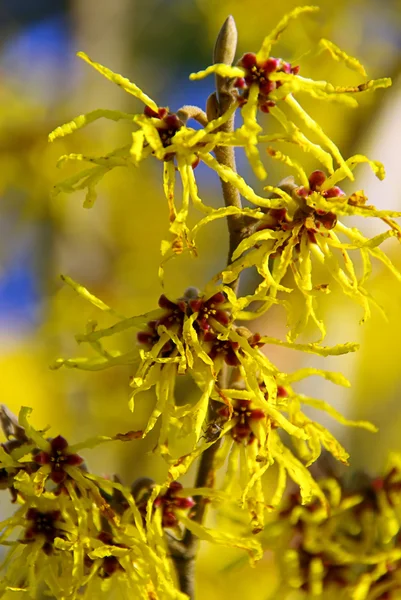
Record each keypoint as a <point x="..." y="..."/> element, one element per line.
<point x="316" y="179"/>
<point x="240" y="83"/>
<point x="226" y="349"/>
<point x="281" y="392"/>
<point x="271" y="65"/>
<point x="334" y="192"/>
<point x="328" y="220"/>
<point x="149" y="112"/>
<point x="58" y="458"/>
<point x="248" y="60"/>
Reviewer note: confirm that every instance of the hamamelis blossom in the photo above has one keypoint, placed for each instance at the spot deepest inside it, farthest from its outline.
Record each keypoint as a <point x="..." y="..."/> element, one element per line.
<point x="191" y="336"/>
<point x="82" y="538"/>
<point x="251" y="418"/>
<point x="195" y="335"/>
<point x="164" y="135"/>
<point x="174" y="340"/>
<point x="354" y="551"/>
<point x="169" y="504"/>
<point x="57" y="458"/>
<point x="264" y="82"/>
<point x="308" y="232"/>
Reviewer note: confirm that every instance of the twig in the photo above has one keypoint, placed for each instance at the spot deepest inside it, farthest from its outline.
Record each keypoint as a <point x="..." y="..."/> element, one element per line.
<point x="224" y="52"/>
<point x="218" y="103"/>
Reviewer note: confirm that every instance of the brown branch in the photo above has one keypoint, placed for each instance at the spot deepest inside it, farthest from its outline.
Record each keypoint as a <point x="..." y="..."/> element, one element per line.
<point x="192" y="112"/>
<point x="218" y="103"/>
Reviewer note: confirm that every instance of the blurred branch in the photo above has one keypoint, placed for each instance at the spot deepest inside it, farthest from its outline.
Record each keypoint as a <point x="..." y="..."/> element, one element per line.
<point x="224" y="52"/>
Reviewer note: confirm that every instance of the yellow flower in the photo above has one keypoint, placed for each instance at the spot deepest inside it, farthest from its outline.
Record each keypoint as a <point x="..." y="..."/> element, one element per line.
<point x="195" y="335"/>
<point x="264" y="81"/>
<point x="352" y="550"/>
<point x="307" y="231"/>
<point x="79" y="537"/>
<point x="165" y="136"/>
<point x="253" y="412"/>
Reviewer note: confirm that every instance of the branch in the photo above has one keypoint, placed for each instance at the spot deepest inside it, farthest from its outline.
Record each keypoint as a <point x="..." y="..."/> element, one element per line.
<point x="218" y="103"/>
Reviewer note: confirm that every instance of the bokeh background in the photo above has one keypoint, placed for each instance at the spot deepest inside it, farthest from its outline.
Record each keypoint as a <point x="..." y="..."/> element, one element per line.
<point x="113" y="249"/>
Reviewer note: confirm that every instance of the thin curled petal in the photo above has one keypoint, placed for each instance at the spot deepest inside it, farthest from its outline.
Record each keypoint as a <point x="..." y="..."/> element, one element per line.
<point x="337" y="350"/>
<point x="339" y="55"/>
<point x="219" y="69"/>
<point x="311" y="124"/>
<point x="350" y="164"/>
<point x="274" y="36"/>
<point x="121" y="81"/>
<point x="218" y="537"/>
<point x="231" y="176"/>
<point x="87" y="295"/>
<point x="84" y="120"/>
<point x="337" y="378"/>
<point x="322" y="405"/>
<point x="289" y="162"/>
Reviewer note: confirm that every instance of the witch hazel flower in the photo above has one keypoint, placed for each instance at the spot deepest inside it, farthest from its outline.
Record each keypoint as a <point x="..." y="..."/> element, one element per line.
<point x="259" y="73"/>
<point x="173" y="340"/>
<point x="57" y="458"/>
<point x="43" y="525"/>
<point x="168" y="502"/>
<point x="264" y="81"/>
<point x="254" y="410"/>
<point x="352" y="550"/>
<point x="88" y="531"/>
<point x="244" y="419"/>
<point x="161" y="134"/>
<point x="308" y="231"/>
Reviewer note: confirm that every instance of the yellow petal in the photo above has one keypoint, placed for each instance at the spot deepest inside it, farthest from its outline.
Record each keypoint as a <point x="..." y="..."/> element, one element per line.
<point x="219" y="69"/>
<point x="121" y="81"/>
<point x="340" y="55"/>
<point x="273" y="37"/>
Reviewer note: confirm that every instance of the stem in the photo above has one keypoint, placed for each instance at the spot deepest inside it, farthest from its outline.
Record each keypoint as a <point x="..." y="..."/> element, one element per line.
<point x="192" y="112"/>
<point x="218" y="103"/>
<point x="224" y="52"/>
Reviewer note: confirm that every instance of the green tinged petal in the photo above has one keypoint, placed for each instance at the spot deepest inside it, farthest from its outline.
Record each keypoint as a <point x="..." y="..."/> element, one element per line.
<point x="337" y="378"/>
<point x="83" y="120"/>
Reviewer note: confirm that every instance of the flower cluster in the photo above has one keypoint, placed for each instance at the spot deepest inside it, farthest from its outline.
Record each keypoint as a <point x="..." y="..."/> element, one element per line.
<point x="258" y="73"/>
<point x="264" y="81"/>
<point x="195" y="336"/>
<point x="242" y="402"/>
<point x="72" y="530"/>
<point x="77" y="535"/>
<point x="164" y="135"/>
<point x="355" y="551"/>
<point x="307" y="232"/>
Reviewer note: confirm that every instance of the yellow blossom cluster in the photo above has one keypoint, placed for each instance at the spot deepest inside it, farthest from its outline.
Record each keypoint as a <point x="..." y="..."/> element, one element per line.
<point x="74" y="534"/>
<point x="243" y="402"/>
<point x="355" y="552"/>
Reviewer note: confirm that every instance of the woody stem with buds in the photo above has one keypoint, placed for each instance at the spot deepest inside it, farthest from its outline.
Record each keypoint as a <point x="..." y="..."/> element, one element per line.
<point x="219" y="102"/>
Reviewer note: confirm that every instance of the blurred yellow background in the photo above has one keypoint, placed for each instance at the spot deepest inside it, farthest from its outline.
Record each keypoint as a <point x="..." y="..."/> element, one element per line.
<point x="114" y="248"/>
